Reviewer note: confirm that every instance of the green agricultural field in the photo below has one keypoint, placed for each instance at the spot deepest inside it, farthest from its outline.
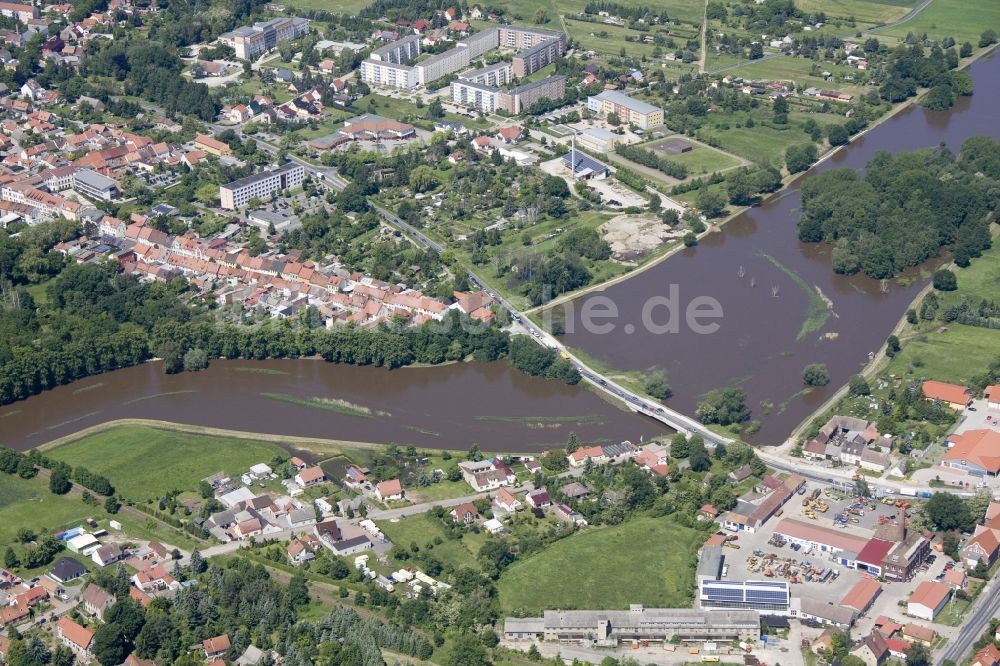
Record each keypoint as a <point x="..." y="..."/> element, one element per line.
<point x="961" y="19"/>
<point x="757" y="143"/>
<point x="28" y="503"/>
<point x="145" y="462"/>
<point x="865" y="11"/>
<point x="338" y="6"/>
<point x="608" y="40"/>
<point x="788" y="68"/>
<point x="644" y="561"/>
<point x="954" y="353"/>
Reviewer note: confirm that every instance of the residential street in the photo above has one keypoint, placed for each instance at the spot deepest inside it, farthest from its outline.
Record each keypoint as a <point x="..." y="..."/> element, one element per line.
<point x="985" y="608"/>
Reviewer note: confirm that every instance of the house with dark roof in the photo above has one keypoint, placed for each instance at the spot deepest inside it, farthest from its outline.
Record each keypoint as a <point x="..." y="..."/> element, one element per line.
<point x="67" y="569"/>
<point x="538" y="499"/>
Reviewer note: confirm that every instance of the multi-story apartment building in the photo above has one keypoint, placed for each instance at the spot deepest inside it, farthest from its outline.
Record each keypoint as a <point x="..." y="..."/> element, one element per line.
<point x="259" y="185"/>
<point x="22" y="12"/>
<point x="629" y="111"/>
<point x="388" y="74"/>
<point x="518" y="38"/>
<point x="251" y="41"/>
<point x="442" y="64"/>
<point x="400" y="51"/>
<point x="533" y="59"/>
<point x="519" y="99"/>
<point x="95" y="185"/>
<point x="480" y="42"/>
<point x="476" y="95"/>
<point x="495" y="75"/>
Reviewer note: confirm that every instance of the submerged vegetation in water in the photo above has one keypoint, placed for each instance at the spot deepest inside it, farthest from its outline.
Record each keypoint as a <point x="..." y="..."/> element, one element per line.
<point x="818" y="310"/>
<point x="329" y="404"/>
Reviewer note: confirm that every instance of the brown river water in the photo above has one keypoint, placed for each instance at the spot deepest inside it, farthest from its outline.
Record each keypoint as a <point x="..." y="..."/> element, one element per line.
<point x="757" y="345"/>
<point x="447" y="407"/>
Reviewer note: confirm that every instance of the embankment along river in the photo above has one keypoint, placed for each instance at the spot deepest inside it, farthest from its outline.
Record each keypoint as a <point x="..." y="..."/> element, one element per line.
<point x="770" y="285"/>
<point x="442" y="407"/>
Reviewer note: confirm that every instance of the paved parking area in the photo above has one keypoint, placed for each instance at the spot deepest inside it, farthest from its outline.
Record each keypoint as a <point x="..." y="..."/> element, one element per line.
<point x="978" y="416"/>
<point x="736" y="564"/>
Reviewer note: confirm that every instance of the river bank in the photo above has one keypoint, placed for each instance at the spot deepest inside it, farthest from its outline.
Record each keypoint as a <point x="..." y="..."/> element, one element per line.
<point x="902" y="330"/>
<point x="734" y="212"/>
<point x="766" y="283"/>
<point x="439" y="407"/>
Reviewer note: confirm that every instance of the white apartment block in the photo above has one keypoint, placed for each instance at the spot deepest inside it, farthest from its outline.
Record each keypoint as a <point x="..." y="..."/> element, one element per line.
<point x="476" y="95"/>
<point x="495" y="75"/>
<point x="388" y="74"/>
<point x="260" y="185"/>
<point x="252" y="41"/>
<point x="399" y="51"/>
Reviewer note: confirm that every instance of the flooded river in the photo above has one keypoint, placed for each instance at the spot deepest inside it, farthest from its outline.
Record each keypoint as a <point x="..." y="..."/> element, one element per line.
<point x="767" y="281"/>
<point x="769" y="286"/>
<point x="447" y="407"/>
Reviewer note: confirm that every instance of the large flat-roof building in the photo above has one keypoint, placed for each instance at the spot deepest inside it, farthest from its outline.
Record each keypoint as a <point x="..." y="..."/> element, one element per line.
<point x="533" y="59"/>
<point x="520" y="38"/>
<point x="442" y="64"/>
<point x="93" y="184"/>
<point x="476" y="95"/>
<point x="251" y="41"/>
<point x="770" y="596"/>
<point x="494" y="75"/>
<point x="538" y="48"/>
<point x="609" y="627"/>
<point x="400" y="51"/>
<point x="630" y="111"/>
<point x="388" y="74"/>
<point x="260" y="185"/>
<point x="519" y="99"/>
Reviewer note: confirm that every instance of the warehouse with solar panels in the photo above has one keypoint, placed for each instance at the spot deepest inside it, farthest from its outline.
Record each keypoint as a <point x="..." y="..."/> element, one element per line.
<point x="772" y="597"/>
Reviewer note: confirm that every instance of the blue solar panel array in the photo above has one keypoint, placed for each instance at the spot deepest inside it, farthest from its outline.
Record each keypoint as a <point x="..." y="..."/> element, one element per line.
<point x="745" y="594"/>
<point x="583" y="161"/>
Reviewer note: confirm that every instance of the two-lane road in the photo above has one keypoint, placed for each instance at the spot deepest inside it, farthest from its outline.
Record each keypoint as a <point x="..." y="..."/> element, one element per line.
<point x="632" y="400"/>
<point x="985" y="608"/>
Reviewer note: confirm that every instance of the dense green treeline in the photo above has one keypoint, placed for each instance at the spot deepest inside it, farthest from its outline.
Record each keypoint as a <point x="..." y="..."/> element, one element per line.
<point x="95" y="319"/>
<point x="905" y="208"/>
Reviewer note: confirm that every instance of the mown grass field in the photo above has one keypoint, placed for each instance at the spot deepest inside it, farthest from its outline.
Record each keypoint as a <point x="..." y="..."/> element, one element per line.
<point x="28" y="503"/>
<point x="865" y="11"/>
<point x="422" y="530"/>
<point x="788" y="68"/>
<point x="955" y="352"/>
<point x="145" y="462"/>
<point x="961" y="19"/>
<point x="647" y="561"/>
<point x="338" y="6"/>
<point x="759" y="143"/>
<point x="700" y="160"/>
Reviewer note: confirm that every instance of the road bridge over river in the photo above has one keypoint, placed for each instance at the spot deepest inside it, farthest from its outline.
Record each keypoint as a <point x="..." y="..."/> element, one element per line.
<point x="637" y="403"/>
